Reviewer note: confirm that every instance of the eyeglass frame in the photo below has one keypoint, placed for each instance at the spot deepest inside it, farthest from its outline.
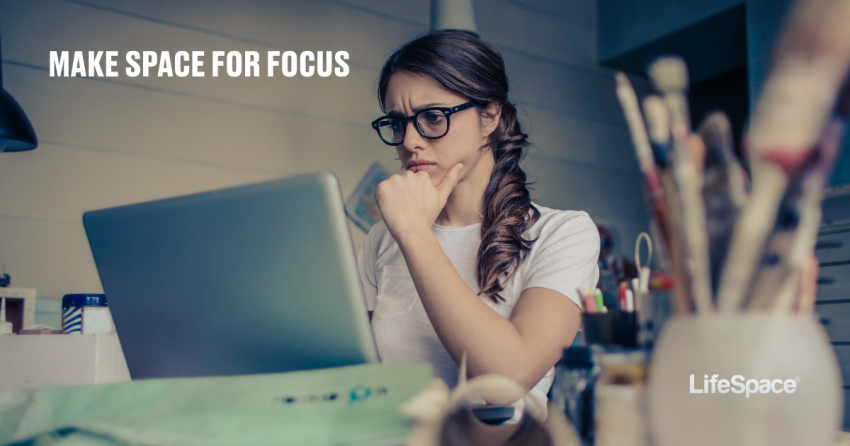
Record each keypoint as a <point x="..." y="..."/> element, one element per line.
<point x="447" y="111"/>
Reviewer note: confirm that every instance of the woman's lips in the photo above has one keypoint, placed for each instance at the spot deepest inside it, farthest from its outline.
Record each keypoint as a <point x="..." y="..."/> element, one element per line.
<point x="420" y="167"/>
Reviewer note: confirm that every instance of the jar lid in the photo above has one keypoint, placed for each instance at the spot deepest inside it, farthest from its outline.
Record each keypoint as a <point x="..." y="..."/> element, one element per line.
<point x="84" y="300"/>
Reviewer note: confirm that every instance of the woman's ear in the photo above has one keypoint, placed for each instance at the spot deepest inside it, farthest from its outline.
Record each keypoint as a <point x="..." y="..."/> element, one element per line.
<point x="490" y="118"/>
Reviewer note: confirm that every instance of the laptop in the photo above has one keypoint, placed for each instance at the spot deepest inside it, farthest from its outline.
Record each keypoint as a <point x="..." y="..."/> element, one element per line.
<point x="253" y="279"/>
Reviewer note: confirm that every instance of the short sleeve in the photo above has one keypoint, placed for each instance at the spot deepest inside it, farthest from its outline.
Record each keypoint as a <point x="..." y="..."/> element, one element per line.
<point x="367" y="263"/>
<point x="565" y="256"/>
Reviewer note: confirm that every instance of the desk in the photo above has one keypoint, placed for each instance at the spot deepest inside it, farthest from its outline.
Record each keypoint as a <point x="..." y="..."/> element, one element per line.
<point x="32" y="361"/>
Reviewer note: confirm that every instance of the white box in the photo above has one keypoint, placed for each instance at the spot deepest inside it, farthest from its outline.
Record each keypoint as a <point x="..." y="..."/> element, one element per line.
<point x="32" y="361"/>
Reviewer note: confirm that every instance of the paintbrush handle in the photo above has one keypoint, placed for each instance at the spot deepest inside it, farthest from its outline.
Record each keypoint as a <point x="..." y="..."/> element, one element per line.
<point x="659" y="201"/>
<point x="693" y="220"/>
<point x="682" y="301"/>
<point x="643" y="150"/>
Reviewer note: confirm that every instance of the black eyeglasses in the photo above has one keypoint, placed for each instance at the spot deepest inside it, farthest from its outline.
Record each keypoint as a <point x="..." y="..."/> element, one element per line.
<point x="432" y="123"/>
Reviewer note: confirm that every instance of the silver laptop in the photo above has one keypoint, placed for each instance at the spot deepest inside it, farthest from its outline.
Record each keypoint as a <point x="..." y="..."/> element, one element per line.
<point x="253" y="279"/>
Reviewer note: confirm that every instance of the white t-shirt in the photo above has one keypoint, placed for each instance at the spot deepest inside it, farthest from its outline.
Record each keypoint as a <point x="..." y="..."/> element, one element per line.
<point x="564" y="259"/>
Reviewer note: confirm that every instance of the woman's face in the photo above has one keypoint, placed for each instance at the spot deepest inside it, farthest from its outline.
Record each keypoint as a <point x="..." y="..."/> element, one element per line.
<point x="408" y="93"/>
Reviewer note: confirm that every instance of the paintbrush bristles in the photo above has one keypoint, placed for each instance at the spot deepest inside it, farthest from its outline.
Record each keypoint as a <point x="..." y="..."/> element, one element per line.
<point x="669" y="74"/>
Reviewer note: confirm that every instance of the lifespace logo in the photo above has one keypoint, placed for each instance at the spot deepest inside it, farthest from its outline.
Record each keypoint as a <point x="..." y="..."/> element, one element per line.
<point x="738" y="384"/>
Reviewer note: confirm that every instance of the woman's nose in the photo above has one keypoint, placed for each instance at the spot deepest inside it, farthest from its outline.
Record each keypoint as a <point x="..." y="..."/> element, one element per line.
<point x="412" y="139"/>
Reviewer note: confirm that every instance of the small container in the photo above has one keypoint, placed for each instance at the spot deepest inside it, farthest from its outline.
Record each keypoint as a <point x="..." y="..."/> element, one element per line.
<point x="621" y="400"/>
<point x="612" y="328"/>
<point x="86" y="314"/>
<point x="572" y="388"/>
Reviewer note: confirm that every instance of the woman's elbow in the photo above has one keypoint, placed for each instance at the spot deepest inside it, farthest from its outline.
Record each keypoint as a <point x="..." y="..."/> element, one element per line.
<point x="525" y="377"/>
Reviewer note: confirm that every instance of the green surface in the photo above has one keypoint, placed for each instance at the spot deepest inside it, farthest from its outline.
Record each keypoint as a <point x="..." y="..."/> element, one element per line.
<point x="339" y="406"/>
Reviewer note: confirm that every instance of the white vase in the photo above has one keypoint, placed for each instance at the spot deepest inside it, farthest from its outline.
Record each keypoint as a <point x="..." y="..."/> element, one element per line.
<point x="755" y="347"/>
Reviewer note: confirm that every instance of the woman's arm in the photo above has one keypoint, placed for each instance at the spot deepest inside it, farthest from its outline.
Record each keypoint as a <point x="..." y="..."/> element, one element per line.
<point x="523" y="348"/>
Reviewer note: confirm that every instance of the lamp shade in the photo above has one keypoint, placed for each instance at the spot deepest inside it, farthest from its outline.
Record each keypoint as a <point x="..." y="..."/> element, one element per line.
<point x="453" y="14"/>
<point x="16" y="132"/>
<point x="15" y="128"/>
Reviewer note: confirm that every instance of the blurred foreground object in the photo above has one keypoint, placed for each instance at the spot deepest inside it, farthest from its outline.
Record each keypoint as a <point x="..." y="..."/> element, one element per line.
<point x="621" y="413"/>
<point x="758" y="349"/>
<point x="602" y="391"/>
<point x="343" y="405"/>
<point x="445" y="417"/>
<point x="729" y="248"/>
<point x="810" y="63"/>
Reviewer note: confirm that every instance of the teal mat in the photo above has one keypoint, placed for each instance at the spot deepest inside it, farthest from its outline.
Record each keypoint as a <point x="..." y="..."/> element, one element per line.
<point x="340" y="406"/>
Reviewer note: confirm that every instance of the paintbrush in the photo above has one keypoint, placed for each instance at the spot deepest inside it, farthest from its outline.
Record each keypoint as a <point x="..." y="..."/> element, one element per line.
<point x="789" y="275"/>
<point x="810" y="63"/>
<point x="654" y="192"/>
<point x="658" y="123"/>
<point x="724" y="191"/>
<point x="795" y="273"/>
<point x="657" y="118"/>
<point x="778" y="282"/>
<point x="670" y="77"/>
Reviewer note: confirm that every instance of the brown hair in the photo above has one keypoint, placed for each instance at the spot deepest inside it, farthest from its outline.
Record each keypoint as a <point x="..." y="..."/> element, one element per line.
<point x="470" y="67"/>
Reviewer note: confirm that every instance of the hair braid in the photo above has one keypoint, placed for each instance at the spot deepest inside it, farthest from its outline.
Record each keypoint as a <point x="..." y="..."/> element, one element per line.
<point x="507" y="208"/>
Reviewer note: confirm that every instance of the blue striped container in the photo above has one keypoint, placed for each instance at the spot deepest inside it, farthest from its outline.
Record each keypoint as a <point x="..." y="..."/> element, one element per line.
<point x="72" y="310"/>
<point x="72" y="320"/>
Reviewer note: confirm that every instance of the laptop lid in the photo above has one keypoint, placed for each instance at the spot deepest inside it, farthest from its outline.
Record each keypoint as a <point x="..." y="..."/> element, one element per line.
<point x="252" y="279"/>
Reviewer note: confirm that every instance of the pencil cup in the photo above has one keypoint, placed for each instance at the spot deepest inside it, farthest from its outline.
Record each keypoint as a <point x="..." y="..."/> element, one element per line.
<point x="612" y="328"/>
<point x="744" y="379"/>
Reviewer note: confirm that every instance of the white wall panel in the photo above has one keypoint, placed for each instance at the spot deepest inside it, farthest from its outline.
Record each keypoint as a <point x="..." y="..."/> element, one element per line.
<point x="292" y="24"/>
<point x="339" y="98"/>
<point x="538" y="33"/>
<point x="604" y="145"/>
<point x="52" y="256"/>
<point x="559" y="88"/>
<point x="602" y="193"/>
<point x="96" y="114"/>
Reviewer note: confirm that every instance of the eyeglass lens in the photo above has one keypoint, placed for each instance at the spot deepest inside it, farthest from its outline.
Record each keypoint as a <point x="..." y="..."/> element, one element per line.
<point x="431" y="124"/>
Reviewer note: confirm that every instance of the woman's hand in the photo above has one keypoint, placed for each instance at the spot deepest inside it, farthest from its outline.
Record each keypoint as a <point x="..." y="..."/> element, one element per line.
<point x="409" y="202"/>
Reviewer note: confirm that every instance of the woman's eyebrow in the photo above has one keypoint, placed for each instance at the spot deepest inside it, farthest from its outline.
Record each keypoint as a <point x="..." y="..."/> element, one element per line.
<point x="424" y="106"/>
<point x="417" y="109"/>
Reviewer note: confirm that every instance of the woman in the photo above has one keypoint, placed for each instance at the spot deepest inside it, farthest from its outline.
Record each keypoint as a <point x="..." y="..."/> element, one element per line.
<point x="463" y="261"/>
